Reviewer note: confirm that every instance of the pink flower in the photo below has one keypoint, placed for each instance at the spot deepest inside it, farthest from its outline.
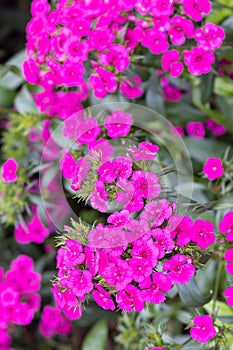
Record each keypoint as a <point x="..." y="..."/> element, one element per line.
<point x="68" y="165"/>
<point x="100" y="39"/>
<point x="156" y="41"/>
<point x="196" y="129"/>
<point x="71" y="126"/>
<point x="146" y="250"/>
<point x="80" y="282"/>
<point x="163" y="8"/>
<point x="103" y="148"/>
<point x="196" y="8"/>
<point x="229" y="295"/>
<point x="103" y="82"/>
<point x="141" y="268"/>
<point x="210" y="37"/>
<point x="163" y="241"/>
<point x="198" y="60"/>
<point x="103" y="298"/>
<point x="37" y="230"/>
<point x="22" y="314"/>
<point x="31" y="71"/>
<point x="216" y="128"/>
<point x="226" y="226"/>
<point x="182" y="230"/>
<point x="181" y="28"/>
<point x="9" y="169"/>
<point x="146" y="151"/>
<point x="131" y="88"/>
<point x="9" y="297"/>
<point x="40" y="8"/>
<point x="88" y="131"/>
<point x="53" y="322"/>
<point x="143" y="6"/>
<point x="180" y="270"/>
<point x="213" y="168"/>
<point x="146" y="184"/>
<point x="153" y="290"/>
<point x="156" y="212"/>
<point x="203" y="233"/>
<point x="118" y="274"/>
<point x="228" y="256"/>
<point x="119" y="218"/>
<point x="72" y="73"/>
<point x="170" y="63"/>
<point x="118" y="124"/>
<point x="83" y="166"/>
<point x="117" y="56"/>
<point x="130" y="298"/>
<point x="99" y="197"/>
<point x="204" y="330"/>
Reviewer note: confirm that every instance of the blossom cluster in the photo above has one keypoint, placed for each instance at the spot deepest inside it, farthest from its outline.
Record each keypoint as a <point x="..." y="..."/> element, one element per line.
<point x="226" y="228"/>
<point x="19" y="298"/>
<point x="53" y="322"/>
<point x="61" y="40"/>
<point x="130" y="260"/>
<point x="198" y="130"/>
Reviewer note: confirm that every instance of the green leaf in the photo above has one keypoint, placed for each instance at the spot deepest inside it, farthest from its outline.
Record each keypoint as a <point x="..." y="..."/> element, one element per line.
<point x="207" y="83"/>
<point x="24" y="102"/>
<point x="225" y="105"/>
<point x="183" y="112"/>
<point x="6" y="97"/>
<point x="97" y="336"/>
<point x="223" y="86"/>
<point x="191" y="295"/>
<point x="12" y="79"/>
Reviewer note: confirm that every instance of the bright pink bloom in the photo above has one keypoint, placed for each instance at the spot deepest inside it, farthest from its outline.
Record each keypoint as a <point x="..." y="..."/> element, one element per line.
<point x="146" y="151"/>
<point x="117" y="56"/>
<point x="99" y="197"/>
<point x="203" y="233"/>
<point x="198" y="60"/>
<point x="180" y="270"/>
<point x="103" y="82"/>
<point x="141" y="268"/>
<point x="229" y="295"/>
<point x="130" y="298"/>
<point x="31" y="71"/>
<point x="119" y="218"/>
<point x="80" y="282"/>
<point x="118" y="124"/>
<point x="213" y="168"/>
<point x="216" y="128"/>
<point x="203" y="329"/>
<point x="103" y="148"/>
<point x="170" y="63"/>
<point x="53" y="322"/>
<point x="122" y="167"/>
<point x="196" y="129"/>
<point x="196" y="8"/>
<point x="182" y="230"/>
<point x="228" y="256"/>
<point x="210" y="37"/>
<point x="71" y="126"/>
<point x="9" y="169"/>
<point x="37" y="230"/>
<point x="143" y="6"/>
<point x="162" y="7"/>
<point x="22" y="314"/>
<point x="68" y="165"/>
<point x="72" y="73"/>
<point x="40" y="8"/>
<point x="156" y="41"/>
<point x="181" y="28"/>
<point x="156" y="212"/>
<point x="131" y="88"/>
<point x="226" y="226"/>
<point x="153" y="290"/>
<point x="88" y="131"/>
<point x="103" y="298"/>
<point x="100" y="39"/>
<point x="163" y="241"/>
<point x="118" y="274"/>
<point x="83" y="166"/>
<point x="146" y="250"/>
<point x="146" y="184"/>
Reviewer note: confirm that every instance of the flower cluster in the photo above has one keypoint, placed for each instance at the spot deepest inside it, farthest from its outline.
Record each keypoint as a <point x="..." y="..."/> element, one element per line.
<point x="53" y="322"/>
<point x="132" y="259"/>
<point x="199" y="130"/>
<point x="19" y="298"/>
<point x="226" y="228"/>
<point x="63" y="38"/>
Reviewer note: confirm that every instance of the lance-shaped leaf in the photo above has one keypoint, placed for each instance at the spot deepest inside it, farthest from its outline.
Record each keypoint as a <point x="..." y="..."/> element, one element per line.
<point x="191" y="295"/>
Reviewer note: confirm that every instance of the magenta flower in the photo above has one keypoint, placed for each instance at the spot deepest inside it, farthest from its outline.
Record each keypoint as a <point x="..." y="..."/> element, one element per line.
<point x="170" y="63"/>
<point x="210" y="37"/>
<point x="141" y="268"/>
<point x="100" y="39"/>
<point x="182" y="230"/>
<point x="180" y="29"/>
<point x="146" y="184"/>
<point x="203" y="329"/>
<point x="53" y="322"/>
<point x="119" y="218"/>
<point x="228" y="256"/>
<point x="196" y="129"/>
<point x="163" y="241"/>
<point x="118" y="274"/>
<point x="196" y="8"/>
<point x="216" y="128"/>
<point x="99" y="197"/>
<point x="153" y="290"/>
<point x="9" y="169"/>
<point x="180" y="270"/>
<point x="156" y="212"/>
<point x="68" y="165"/>
<point x="71" y="126"/>
<point x="229" y="295"/>
<point x="163" y="8"/>
<point x="80" y="282"/>
<point x="202" y="233"/>
<point x="131" y="88"/>
<point x="146" y="250"/>
<point x="103" y="298"/>
<point x="117" y="55"/>
<point x="226" y="226"/>
<point x="213" y="168"/>
<point x="83" y="166"/>
<point x="118" y="124"/>
<point x="156" y="41"/>
<point x="198" y="60"/>
<point x="88" y="131"/>
<point x="122" y="167"/>
<point x="130" y="298"/>
<point x="103" y="148"/>
<point x="146" y="151"/>
<point x="103" y="82"/>
<point x="73" y="73"/>
<point x="31" y="71"/>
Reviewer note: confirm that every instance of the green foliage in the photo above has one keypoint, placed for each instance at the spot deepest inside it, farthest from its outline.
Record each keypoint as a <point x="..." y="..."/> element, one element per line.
<point x="97" y="336"/>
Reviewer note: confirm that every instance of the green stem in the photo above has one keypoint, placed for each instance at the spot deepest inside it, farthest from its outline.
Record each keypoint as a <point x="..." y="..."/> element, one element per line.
<point x="217" y="283"/>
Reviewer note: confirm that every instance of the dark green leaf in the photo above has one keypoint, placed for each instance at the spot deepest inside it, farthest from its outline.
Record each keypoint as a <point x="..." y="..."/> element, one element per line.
<point x="207" y="82"/>
<point x="24" y="102"/>
<point x="6" y="97"/>
<point x="191" y="295"/>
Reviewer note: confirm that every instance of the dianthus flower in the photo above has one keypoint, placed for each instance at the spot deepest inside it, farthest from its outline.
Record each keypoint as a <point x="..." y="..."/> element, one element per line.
<point x="53" y="322"/>
<point x="229" y="295"/>
<point x="170" y="63"/>
<point x="9" y="169"/>
<point x="228" y="256"/>
<point x="118" y="124"/>
<point x="203" y="329"/>
<point x="213" y="168"/>
<point x="198" y="60"/>
<point x="203" y="233"/>
<point x="196" y="129"/>
<point x="196" y="8"/>
<point x="226" y="226"/>
<point x="210" y="37"/>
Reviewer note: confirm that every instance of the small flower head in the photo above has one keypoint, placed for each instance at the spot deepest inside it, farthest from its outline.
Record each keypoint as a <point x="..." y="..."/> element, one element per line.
<point x="9" y="169"/>
<point x="203" y="329"/>
<point x="213" y="168"/>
